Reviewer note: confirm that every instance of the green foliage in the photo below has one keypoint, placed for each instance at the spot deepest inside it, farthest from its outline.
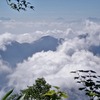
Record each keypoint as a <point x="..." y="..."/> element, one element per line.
<point x="22" y="97"/>
<point x="19" y="4"/>
<point x="7" y="95"/>
<point x="37" y="90"/>
<point x="56" y="94"/>
<point x="41" y="90"/>
<point x="16" y="97"/>
<point x="90" y="81"/>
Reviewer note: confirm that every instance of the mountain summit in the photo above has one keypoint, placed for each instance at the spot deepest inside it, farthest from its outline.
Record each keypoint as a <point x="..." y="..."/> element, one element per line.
<point x="17" y="52"/>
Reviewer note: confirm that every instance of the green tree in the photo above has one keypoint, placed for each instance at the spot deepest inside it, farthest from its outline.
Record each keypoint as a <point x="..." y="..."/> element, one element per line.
<point x="41" y="90"/>
<point x="90" y="81"/>
<point x="20" y="4"/>
<point x="37" y="90"/>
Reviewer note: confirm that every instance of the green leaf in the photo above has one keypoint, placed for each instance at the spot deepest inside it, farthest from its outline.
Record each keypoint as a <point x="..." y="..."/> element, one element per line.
<point x="92" y="71"/>
<point x="94" y="76"/>
<point x="18" y="98"/>
<point x="56" y="87"/>
<point x="50" y="93"/>
<point x="22" y="98"/>
<point x="98" y="81"/>
<point x="86" y="71"/>
<point x="78" y="81"/>
<point x="83" y="77"/>
<point x="92" y="94"/>
<point x="81" y="70"/>
<point x="64" y="95"/>
<point x="89" y="84"/>
<point x="82" y="88"/>
<point x="7" y="94"/>
<point x="76" y="77"/>
<point x="73" y="72"/>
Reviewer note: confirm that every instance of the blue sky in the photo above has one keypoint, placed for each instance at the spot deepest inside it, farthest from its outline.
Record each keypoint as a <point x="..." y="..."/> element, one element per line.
<point x="48" y="9"/>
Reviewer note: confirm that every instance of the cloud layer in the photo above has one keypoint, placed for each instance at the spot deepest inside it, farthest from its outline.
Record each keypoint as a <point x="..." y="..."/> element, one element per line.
<point x="72" y="54"/>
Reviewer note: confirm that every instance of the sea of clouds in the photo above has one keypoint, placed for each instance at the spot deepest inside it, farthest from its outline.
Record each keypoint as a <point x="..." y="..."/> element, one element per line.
<point x="73" y="53"/>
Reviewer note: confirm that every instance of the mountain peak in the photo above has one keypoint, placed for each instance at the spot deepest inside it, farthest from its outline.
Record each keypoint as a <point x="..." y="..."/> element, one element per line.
<point x="17" y="52"/>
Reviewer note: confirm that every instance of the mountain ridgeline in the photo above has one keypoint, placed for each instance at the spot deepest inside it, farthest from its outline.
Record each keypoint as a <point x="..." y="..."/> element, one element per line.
<point x="16" y="52"/>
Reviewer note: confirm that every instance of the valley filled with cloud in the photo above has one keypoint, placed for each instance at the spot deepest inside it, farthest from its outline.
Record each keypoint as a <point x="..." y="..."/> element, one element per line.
<point x="49" y="49"/>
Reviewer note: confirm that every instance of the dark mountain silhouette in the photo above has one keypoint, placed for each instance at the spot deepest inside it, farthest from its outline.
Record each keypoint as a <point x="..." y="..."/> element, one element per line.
<point x="17" y="52"/>
<point x="94" y="19"/>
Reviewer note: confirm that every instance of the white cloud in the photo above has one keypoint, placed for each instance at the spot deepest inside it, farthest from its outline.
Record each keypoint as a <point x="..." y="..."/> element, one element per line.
<point x="53" y="66"/>
<point x="72" y="54"/>
<point x="31" y="30"/>
<point x="40" y="64"/>
<point x="5" y="39"/>
<point x="71" y="46"/>
<point x="4" y="67"/>
<point x="92" y="27"/>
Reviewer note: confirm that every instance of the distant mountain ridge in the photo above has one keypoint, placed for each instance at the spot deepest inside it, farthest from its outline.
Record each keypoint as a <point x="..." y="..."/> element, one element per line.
<point x="5" y="18"/>
<point x="17" y="52"/>
<point x="94" y="19"/>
